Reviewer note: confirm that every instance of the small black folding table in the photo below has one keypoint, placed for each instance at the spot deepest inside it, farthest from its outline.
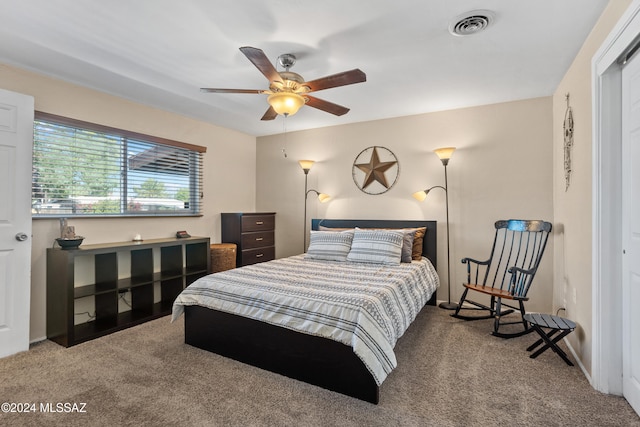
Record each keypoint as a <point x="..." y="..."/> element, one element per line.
<point x="539" y="322"/>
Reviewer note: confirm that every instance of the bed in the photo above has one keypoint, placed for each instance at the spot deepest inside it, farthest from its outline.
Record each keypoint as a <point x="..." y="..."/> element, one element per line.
<point x="306" y="352"/>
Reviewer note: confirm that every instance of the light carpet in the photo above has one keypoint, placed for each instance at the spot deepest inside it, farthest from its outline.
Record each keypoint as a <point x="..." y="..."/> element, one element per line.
<point x="450" y="373"/>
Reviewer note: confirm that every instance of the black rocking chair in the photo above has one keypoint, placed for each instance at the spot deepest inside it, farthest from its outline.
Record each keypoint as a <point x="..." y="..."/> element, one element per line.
<point x="507" y="274"/>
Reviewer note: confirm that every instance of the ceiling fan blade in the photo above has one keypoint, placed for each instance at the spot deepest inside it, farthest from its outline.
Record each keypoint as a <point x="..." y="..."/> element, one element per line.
<point x="215" y="90"/>
<point x="270" y="114"/>
<point x="327" y="106"/>
<point x="262" y="63"/>
<point x="335" y="80"/>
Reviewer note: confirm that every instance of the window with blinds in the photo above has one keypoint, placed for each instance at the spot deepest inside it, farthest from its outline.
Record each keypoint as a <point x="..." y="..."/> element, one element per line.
<point x="85" y="169"/>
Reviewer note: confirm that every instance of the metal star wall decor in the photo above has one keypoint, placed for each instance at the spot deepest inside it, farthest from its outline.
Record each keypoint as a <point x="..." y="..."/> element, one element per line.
<point x="372" y="168"/>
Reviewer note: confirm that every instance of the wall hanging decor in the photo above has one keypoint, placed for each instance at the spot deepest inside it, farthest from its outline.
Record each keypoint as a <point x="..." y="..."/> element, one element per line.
<point x="375" y="170"/>
<point x="568" y="143"/>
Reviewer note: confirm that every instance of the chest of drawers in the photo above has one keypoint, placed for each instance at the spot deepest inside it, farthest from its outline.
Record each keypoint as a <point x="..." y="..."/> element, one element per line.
<point x="253" y="233"/>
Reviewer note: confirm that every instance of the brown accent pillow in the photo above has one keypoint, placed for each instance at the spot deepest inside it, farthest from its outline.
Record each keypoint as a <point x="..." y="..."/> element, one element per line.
<point x="418" y="239"/>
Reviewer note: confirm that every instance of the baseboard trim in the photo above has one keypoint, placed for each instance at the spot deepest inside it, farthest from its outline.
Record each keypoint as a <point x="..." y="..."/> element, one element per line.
<point x="37" y="340"/>
<point x="578" y="361"/>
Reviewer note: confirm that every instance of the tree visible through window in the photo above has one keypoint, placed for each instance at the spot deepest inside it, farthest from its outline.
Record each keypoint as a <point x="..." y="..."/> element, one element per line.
<point x="84" y="169"/>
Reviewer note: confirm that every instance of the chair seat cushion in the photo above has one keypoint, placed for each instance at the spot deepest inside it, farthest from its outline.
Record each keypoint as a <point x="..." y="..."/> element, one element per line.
<point x="493" y="291"/>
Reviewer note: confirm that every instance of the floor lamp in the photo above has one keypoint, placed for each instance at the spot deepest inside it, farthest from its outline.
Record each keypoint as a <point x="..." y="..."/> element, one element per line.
<point x="306" y="167"/>
<point x="444" y="154"/>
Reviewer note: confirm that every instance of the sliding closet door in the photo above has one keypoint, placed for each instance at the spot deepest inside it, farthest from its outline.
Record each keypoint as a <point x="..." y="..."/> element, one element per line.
<point x="631" y="231"/>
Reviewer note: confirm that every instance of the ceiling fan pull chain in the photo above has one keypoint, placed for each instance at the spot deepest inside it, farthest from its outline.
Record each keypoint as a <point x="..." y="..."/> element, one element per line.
<point x="284" y="131"/>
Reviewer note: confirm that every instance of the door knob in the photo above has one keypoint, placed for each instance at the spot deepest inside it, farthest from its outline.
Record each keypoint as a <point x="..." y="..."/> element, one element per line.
<point x="21" y="237"/>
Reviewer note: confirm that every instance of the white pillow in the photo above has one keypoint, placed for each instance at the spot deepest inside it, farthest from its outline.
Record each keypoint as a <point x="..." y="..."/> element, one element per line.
<point x="329" y="245"/>
<point x="376" y="246"/>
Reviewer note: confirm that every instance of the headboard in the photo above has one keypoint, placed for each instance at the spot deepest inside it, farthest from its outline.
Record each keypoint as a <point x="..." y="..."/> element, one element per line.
<point x="429" y="245"/>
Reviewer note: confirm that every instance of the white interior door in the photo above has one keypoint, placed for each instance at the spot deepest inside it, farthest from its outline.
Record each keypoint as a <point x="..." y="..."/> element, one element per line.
<point x="16" y="141"/>
<point x="631" y="232"/>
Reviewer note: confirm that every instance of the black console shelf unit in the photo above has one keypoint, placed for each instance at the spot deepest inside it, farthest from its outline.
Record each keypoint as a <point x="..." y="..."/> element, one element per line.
<point x="159" y="270"/>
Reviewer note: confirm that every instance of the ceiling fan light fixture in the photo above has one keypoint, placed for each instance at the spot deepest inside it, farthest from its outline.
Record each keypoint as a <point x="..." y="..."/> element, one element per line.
<point x="286" y="103"/>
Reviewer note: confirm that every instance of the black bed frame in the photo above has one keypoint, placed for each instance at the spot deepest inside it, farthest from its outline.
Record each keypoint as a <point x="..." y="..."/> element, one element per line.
<point x="312" y="359"/>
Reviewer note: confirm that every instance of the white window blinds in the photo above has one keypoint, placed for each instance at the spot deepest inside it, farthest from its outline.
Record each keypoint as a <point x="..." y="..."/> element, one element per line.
<point x="84" y="169"/>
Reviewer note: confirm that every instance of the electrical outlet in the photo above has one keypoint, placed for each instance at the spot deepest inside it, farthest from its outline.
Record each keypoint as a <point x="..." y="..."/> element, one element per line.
<point x="574" y="295"/>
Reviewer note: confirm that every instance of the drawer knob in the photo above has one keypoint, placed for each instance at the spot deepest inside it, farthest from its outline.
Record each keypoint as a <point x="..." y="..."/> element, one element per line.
<point x="259" y="255"/>
<point x="259" y="222"/>
<point x="259" y="239"/>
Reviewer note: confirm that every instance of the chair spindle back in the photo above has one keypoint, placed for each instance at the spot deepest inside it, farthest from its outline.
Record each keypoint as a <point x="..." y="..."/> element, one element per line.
<point x="518" y="247"/>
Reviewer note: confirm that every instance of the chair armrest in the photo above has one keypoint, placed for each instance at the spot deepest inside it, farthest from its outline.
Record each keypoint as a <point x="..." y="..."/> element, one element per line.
<point x="468" y="261"/>
<point x="471" y="260"/>
<point x="513" y="270"/>
<point x="520" y="281"/>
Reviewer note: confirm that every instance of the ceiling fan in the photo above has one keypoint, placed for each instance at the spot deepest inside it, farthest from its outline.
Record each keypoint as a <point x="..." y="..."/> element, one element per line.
<point x="288" y="91"/>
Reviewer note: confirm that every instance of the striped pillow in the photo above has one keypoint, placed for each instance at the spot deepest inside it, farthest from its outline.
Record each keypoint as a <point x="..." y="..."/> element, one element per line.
<point x="376" y="246"/>
<point x="413" y="238"/>
<point x="329" y="245"/>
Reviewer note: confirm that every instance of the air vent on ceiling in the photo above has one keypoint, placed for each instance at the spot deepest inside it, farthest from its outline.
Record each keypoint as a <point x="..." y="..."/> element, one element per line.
<point x="471" y="23"/>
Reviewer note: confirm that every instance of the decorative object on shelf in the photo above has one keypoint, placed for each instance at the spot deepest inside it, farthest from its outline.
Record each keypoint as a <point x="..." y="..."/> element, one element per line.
<point x="444" y="154"/>
<point x="375" y="170"/>
<point x="137" y="238"/>
<point x="69" y="243"/>
<point x="68" y="238"/>
<point x="322" y="197"/>
<point x="568" y="143"/>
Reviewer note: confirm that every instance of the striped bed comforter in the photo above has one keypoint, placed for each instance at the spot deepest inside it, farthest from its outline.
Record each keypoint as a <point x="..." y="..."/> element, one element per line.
<point x="365" y="306"/>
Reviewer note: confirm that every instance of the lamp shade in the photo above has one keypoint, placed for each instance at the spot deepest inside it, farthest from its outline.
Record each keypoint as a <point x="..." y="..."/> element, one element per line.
<point x="306" y="164"/>
<point x="420" y="195"/>
<point x="444" y="153"/>
<point x="323" y="198"/>
<point x="285" y="103"/>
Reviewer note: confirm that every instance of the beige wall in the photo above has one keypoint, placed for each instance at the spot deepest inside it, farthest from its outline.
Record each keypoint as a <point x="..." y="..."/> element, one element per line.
<point x="229" y="165"/>
<point x="572" y="208"/>
<point x="502" y="169"/>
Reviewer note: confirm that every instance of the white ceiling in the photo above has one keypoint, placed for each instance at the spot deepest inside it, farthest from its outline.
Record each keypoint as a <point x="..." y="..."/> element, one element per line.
<point x="160" y="52"/>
